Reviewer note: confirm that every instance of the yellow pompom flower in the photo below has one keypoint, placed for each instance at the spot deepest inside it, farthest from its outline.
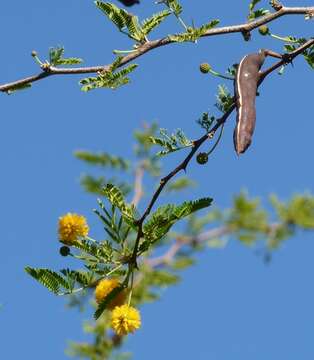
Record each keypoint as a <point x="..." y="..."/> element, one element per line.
<point x="125" y="319"/>
<point x="72" y="227"/>
<point x="104" y="288"/>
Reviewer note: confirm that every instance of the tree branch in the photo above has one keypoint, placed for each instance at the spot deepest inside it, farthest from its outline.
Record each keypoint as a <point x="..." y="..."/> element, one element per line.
<point x="197" y="144"/>
<point x="150" y="45"/>
<point x="180" y="241"/>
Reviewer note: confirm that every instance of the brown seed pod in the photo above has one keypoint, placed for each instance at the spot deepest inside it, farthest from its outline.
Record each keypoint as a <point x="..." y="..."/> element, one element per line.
<point x="246" y="79"/>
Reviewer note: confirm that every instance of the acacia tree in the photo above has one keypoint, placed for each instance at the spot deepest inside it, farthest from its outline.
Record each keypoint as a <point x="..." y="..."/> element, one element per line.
<point x="124" y="270"/>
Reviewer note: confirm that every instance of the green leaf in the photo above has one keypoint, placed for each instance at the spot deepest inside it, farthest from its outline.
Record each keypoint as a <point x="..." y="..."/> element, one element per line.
<point x="151" y="23"/>
<point x="247" y="219"/>
<point x="93" y="185"/>
<point x="134" y="28"/>
<point x="206" y="121"/>
<point x="114" y="226"/>
<point x="55" y="54"/>
<point x="180" y="184"/>
<point x="114" y="13"/>
<point x="298" y="211"/>
<point x="257" y="13"/>
<point x="50" y="279"/>
<point x="56" y="57"/>
<point x="182" y="263"/>
<point x="103" y="304"/>
<point x="194" y="33"/>
<point x="253" y="4"/>
<point x="102" y="159"/>
<point x="69" y="61"/>
<point x="116" y="198"/>
<point x="278" y="234"/>
<point x="171" y="143"/>
<point x="123" y="20"/>
<point x="163" y="278"/>
<point x="83" y="278"/>
<point x="224" y="99"/>
<point x="108" y="79"/>
<point x="166" y="216"/>
<point x="174" y="6"/>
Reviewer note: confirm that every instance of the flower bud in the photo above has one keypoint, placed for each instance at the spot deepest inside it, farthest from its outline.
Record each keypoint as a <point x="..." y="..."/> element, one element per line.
<point x="202" y="158"/>
<point x="64" y="251"/>
<point x="263" y="30"/>
<point x="205" y="68"/>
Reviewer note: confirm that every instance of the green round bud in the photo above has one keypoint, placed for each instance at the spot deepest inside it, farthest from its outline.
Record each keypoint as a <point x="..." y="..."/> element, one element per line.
<point x="205" y="68"/>
<point x="189" y="29"/>
<point x="34" y="53"/>
<point x="263" y="30"/>
<point x="202" y="158"/>
<point x="64" y="251"/>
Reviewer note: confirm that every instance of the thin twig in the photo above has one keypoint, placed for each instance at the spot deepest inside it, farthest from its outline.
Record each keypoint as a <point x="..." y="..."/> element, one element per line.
<point x="181" y="241"/>
<point x="292" y="55"/>
<point x="138" y="185"/>
<point x="150" y="45"/>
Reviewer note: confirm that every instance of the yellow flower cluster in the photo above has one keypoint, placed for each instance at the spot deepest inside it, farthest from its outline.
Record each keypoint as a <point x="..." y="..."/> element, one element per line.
<point x="104" y="288"/>
<point x="125" y="319"/>
<point x="72" y="227"/>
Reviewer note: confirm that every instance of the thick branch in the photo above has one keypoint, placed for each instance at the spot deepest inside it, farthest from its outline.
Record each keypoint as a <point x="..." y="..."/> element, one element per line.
<point x="150" y="45"/>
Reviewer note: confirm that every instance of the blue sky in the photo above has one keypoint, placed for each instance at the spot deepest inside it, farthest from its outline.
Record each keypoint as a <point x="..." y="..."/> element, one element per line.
<point x="242" y="309"/>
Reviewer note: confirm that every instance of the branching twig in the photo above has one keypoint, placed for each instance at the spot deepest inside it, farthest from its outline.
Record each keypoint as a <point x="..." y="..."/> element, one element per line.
<point x="292" y="55"/>
<point x="196" y="145"/>
<point x="181" y="241"/>
<point x="150" y="45"/>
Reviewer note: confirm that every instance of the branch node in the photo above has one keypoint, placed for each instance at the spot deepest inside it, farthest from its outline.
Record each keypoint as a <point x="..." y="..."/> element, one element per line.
<point x="276" y="5"/>
<point x="211" y="134"/>
<point x="46" y="67"/>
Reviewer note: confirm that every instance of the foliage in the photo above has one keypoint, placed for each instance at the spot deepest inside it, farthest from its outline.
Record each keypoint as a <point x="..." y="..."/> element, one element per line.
<point x="246" y="220"/>
<point x="108" y="79"/>
<point x="224" y="99"/>
<point x="192" y="33"/>
<point x="254" y="14"/>
<point x="56" y="57"/>
<point x="130" y="23"/>
<point x="131" y="246"/>
<point x="171" y="143"/>
<point x="102" y="159"/>
<point x="166" y="216"/>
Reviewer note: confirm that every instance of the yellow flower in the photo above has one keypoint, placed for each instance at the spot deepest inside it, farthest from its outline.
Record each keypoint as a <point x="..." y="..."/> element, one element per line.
<point x="104" y="288"/>
<point x="72" y="227"/>
<point x="125" y="319"/>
